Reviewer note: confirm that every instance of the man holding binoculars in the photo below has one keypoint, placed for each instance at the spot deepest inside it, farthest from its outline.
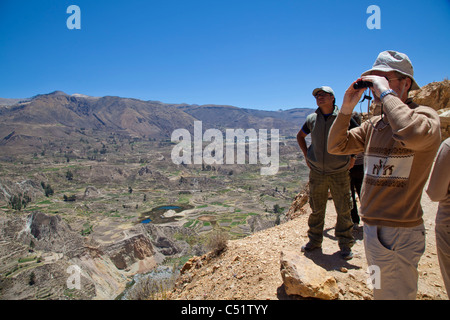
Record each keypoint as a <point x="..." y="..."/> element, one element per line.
<point x="399" y="146"/>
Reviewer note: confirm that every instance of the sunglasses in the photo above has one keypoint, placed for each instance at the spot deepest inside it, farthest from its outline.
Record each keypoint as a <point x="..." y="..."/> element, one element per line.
<point x="322" y="94"/>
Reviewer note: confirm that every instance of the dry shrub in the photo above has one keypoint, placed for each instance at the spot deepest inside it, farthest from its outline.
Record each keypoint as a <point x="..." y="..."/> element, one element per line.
<point x="217" y="241"/>
<point x="151" y="289"/>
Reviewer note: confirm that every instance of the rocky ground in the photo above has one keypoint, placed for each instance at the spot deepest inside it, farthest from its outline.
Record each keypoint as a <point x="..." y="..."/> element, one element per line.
<point x="250" y="267"/>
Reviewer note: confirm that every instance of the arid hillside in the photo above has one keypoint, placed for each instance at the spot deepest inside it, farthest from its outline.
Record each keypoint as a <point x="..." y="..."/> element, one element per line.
<point x="250" y="268"/>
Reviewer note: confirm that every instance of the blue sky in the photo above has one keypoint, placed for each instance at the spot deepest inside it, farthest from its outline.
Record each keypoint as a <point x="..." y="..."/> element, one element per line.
<point x="265" y="54"/>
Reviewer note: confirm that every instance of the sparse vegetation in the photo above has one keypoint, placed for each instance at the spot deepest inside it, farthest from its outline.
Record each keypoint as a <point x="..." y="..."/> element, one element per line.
<point x="87" y="229"/>
<point x="217" y="241"/>
<point x="47" y="189"/>
<point x="151" y="288"/>
<point x="69" y="175"/>
<point x="32" y="279"/>
<point x="70" y="198"/>
<point x="17" y="202"/>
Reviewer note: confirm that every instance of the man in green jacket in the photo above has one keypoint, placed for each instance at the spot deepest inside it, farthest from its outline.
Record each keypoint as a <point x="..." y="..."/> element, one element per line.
<point x="327" y="172"/>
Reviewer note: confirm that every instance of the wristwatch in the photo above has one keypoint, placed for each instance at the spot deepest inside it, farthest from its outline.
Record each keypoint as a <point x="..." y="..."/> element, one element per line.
<point x="385" y="93"/>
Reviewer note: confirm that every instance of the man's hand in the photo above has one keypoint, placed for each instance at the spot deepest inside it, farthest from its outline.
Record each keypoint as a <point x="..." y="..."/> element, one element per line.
<point x="352" y="163"/>
<point x="351" y="98"/>
<point x="380" y="84"/>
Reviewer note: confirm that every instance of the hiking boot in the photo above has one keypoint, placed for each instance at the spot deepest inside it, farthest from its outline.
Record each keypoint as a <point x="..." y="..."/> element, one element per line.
<point x="346" y="253"/>
<point x="310" y="247"/>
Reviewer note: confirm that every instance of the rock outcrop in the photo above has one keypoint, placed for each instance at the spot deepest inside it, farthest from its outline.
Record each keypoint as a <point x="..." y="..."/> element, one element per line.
<point x="127" y="252"/>
<point x="437" y="96"/>
<point x="37" y="250"/>
<point x="444" y="116"/>
<point x="298" y="204"/>
<point x="26" y="187"/>
<point x="91" y="192"/>
<point x="302" y="277"/>
<point x="35" y="254"/>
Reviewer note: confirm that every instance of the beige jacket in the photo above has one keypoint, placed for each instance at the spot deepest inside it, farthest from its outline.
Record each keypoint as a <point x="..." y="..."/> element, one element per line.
<point x="439" y="185"/>
<point x="397" y="159"/>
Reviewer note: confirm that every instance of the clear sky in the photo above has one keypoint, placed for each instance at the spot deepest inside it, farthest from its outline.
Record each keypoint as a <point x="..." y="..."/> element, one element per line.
<point x="264" y="54"/>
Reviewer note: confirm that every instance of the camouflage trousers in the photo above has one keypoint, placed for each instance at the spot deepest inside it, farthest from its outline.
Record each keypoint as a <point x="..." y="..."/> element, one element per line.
<point x="339" y="186"/>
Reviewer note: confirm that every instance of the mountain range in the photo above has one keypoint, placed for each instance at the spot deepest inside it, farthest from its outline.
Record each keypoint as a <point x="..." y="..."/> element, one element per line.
<point x="57" y="116"/>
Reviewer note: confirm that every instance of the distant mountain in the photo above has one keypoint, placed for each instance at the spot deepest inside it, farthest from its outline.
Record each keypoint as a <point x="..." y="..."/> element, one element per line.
<point x="222" y="117"/>
<point x="58" y="116"/>
<point x="9" y="102"/>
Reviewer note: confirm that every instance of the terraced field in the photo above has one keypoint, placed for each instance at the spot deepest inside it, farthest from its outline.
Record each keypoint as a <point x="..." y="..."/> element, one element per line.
<point x="105" y="199"/>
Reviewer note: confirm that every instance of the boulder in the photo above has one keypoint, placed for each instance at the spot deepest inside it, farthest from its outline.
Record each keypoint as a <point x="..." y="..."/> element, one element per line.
<point x="301" y="276"/>
<point x="91" y="192"/>
<point x="437" y="96"/>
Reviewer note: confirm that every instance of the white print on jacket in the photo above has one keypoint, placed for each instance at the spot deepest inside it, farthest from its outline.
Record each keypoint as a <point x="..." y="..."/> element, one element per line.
<point x="393" y="167"/>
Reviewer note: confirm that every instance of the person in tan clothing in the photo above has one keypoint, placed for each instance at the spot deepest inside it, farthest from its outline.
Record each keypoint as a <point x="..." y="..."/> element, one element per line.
<point x="439" y="190"/>
<point x="399" y="147"/>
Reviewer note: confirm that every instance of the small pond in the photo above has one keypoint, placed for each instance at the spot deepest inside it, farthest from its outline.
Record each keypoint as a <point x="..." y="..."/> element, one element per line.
<point x="168" y="208"/>
<point x="156" y="215"/>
